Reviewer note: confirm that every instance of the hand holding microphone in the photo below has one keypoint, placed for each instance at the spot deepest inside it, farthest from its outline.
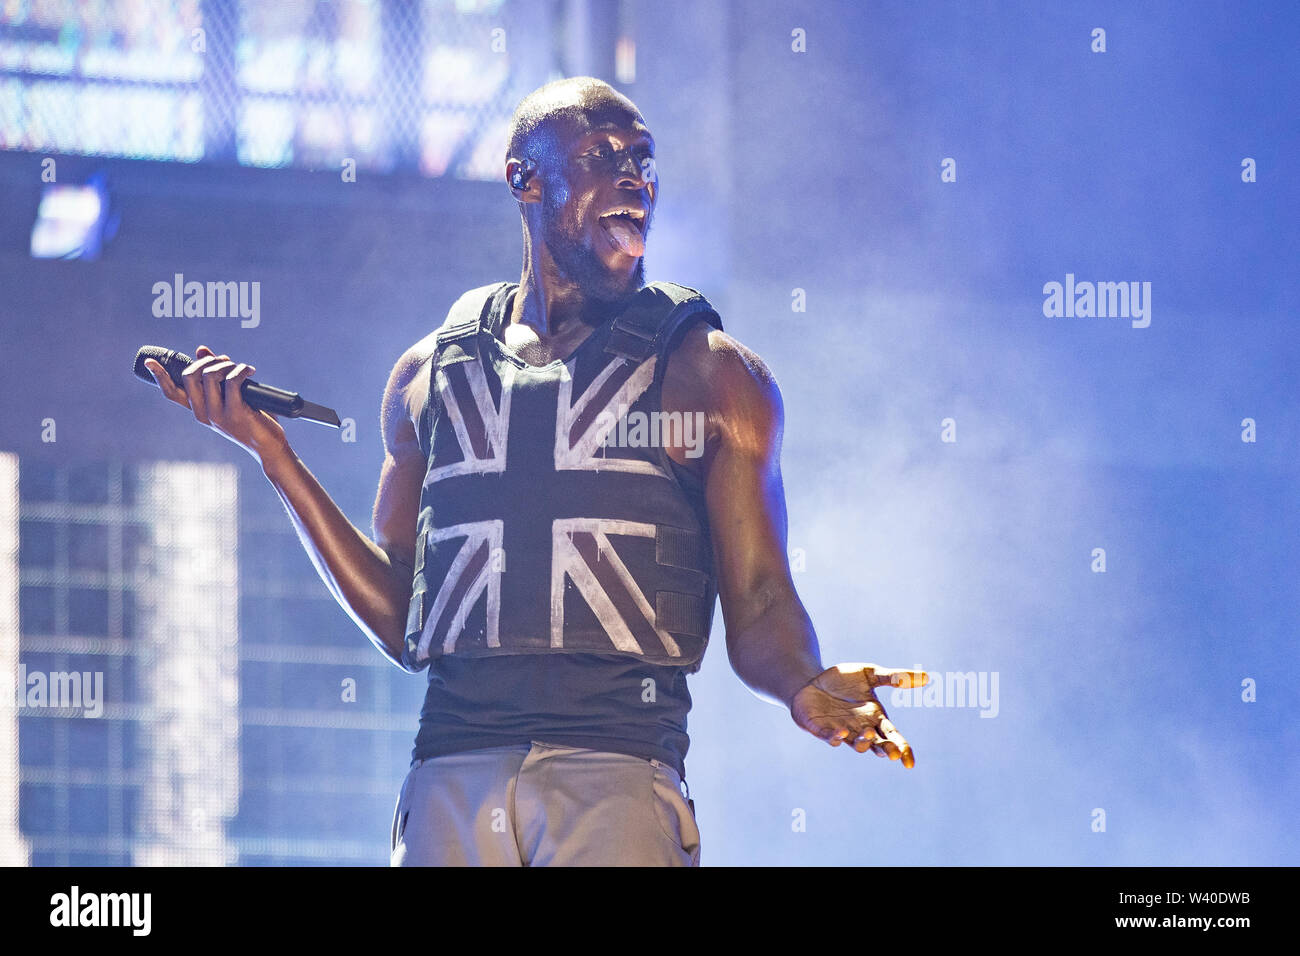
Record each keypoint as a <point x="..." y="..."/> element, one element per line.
<point x="221" y="396"/>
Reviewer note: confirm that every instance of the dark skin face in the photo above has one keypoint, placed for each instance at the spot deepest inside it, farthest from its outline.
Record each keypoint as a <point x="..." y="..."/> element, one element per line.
<point x="579" y="165"/>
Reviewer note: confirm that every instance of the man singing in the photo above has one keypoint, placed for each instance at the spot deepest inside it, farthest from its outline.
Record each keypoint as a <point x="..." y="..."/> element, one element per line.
<point x="576" y="466"/>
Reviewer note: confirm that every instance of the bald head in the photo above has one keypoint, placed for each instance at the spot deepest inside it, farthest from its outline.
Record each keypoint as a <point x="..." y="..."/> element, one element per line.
<point x="572" y="98"/>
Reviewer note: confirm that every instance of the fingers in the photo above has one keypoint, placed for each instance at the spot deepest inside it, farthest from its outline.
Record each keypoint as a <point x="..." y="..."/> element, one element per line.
<point x="865" y="740"/>
<point x="235" y="378"/>
<point x="213" y="374"/>
<point x="858" y="681"/>
<point x="891" y="743"/>
<point x="873" y="740"/>
<point x="884" y="742"/>
<point x="896" y="744"/>
<point x="233" y="383"/>
<point x="885" y="747"/>
<point x="192" y="380"/>
<point x="833" y="732"/>
<point x="898" y="677"/>
<point x="165" y="383"/>
<point x="877" y="733"/>
<point x="210" y="386"/>
<point x="830" y="732"/>
<point x="864" y="734"/>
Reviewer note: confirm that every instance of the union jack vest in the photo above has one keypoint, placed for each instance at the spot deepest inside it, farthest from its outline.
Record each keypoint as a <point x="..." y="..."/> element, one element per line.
<point x="539" y="533"/>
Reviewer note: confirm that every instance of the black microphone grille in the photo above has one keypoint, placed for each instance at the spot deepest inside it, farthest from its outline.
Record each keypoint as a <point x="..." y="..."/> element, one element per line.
<point x="174" y="362"/>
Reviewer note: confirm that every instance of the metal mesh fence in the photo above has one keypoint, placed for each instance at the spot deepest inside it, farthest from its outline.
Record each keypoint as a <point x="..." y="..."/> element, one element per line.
<point x="426" y="85"/>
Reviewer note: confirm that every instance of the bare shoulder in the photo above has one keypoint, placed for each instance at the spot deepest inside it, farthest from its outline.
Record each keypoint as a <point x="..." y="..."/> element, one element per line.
<point x="405" y="393"/>
<point x="712" y="369"/>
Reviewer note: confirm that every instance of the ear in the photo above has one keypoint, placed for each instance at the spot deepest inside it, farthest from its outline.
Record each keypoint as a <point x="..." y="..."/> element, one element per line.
<point x="519" y="176"/>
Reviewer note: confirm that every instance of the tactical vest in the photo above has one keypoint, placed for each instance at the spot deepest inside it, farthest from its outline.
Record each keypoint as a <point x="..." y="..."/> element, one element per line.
<point x="552" y="520"/>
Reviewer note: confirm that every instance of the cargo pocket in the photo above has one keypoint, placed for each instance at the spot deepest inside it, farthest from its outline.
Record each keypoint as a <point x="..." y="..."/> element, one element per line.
<point x="400" y="813"/>
<point x="675" y="816"/>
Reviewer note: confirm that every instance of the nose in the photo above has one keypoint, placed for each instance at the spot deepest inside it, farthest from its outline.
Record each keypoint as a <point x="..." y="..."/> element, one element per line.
<point x="636" y="173"/>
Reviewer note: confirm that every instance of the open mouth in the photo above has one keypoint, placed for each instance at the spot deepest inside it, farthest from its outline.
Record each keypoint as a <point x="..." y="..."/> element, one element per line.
<point x="634" y="217"/>
<point x="625" y="226"/>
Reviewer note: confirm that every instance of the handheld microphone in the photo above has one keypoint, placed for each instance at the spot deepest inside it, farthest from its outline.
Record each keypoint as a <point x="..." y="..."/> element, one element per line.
<point x="277" y="401"/>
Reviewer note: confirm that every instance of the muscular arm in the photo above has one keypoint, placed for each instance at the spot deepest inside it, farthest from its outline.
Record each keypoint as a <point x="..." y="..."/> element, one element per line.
<point x="371" y="580"/>
<point x="770" y="639"/>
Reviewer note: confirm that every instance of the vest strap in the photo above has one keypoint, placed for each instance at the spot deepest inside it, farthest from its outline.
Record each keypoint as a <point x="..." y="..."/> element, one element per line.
<point x="458" y="336"/>
<point x="680" y="613"/>
<point x="655" y="310"/>
<point x="456" y="341"/>
<point x="681" y="548"/>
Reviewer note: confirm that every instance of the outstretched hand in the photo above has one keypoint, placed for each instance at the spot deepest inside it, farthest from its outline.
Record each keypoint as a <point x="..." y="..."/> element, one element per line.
<point x="839" y="706"/>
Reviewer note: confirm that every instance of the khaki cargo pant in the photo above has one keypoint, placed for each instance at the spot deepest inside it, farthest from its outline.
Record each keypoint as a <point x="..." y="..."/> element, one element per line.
<point x="543" y="805"/>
